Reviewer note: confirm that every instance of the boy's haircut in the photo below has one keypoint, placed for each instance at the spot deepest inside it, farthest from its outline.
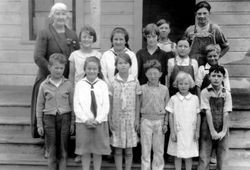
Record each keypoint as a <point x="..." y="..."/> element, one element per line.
<point x="57" y="57"/>
<point x="162" y="21"/>
<point x="217" y="69"/>
<point x="212" y="47"/>
<point x="202" y="4"/>
<point x="123" y="56"/>
<point x="152" y="64"/>
<point x="96" y="60"/>
<point x="90" y="30"/>
<point x="122" y="31"/>
<point x="151" y="29"/>
<point x="183" y="39"/>
<point x="182" y="76"/>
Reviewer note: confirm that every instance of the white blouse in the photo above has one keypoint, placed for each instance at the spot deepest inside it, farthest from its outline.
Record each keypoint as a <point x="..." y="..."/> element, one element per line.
<point x="82" y="101"/>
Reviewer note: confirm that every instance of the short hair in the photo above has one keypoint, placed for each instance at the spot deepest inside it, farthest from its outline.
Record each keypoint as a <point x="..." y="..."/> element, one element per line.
<point x="90" y="30"/>
<point x="183" y="39"/>
<point x="212" y="47"/>
<point x="96" y="60"/>
<point x="150" y="29"/>
<point x="183" y="76"/>
<point x="152" y="64"/>
<point x="202" y="4"/>
<point x="217" y="69"/>
<point x="123" y="56"/>
<point x="162" y="21"/>
<point x="61" y="58"/>
<point x="57" y="6"/>
<point x="122" y="31"/>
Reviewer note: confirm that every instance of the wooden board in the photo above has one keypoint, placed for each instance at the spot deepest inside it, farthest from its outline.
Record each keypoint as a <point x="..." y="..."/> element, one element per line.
<point x="239" y="139"/>
<point x="241" y="98"/>
<point x="229" y="6"/>
<point x="231" y="19"/>
<point x="16" y="56"/>
<point x="17" y="80"/>
<point x="18" y="69"/>
<point x="239" y="120"/>
<point x="236" y="31"/>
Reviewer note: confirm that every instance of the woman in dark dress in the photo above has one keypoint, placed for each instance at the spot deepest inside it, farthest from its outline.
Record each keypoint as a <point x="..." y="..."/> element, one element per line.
<point x="56" y="38"/>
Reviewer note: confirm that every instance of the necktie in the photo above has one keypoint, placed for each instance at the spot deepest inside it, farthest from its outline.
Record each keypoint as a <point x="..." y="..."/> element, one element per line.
<point x="93" y="105"/>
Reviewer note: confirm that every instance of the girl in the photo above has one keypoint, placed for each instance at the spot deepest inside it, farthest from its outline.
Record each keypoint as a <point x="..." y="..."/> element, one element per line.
<point x="91" y="106"/>
<point x="181" y="62"/>
<point x="87" y="37"/>
<point x="119" y="40"/>
<point x="184" y="122"/>
<point x="164" y="42"/>
<point x="124" y="115"/>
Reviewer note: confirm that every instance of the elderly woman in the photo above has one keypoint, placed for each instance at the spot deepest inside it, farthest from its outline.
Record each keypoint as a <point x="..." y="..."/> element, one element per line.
<point x="204" y="33"/>
<point x="57" y="38"/>
<point x="119" y="40"/>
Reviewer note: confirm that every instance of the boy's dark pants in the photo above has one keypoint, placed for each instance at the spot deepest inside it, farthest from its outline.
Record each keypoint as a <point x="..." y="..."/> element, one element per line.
<point x="57" y="133"/>
<point x="206" y="146"/>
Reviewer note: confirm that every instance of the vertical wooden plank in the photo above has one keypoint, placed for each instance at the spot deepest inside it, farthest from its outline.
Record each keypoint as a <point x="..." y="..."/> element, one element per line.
<point x="79" y="14"/>
<point x="25" y="21"/>
<point x="95" y="18"/>
<point x="138" y="6"/>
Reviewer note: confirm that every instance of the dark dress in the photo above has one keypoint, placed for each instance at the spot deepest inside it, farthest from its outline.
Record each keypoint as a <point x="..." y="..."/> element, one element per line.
<point x="48" y="42"/>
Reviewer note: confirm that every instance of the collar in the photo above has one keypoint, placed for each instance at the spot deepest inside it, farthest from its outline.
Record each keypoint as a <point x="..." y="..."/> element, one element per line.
<point x="153" y="85"/>
<point x="207" y="66"/>
<point x="166" y="42"/>
<point x="47" y="80"/>
<point x="187" y="97"/>
<point x="85" y="79"/>
<point x="182" y="60"/>
<point x="211" y="88"/>
<point x="113" y="50"/>
<point x="118" y="78"/>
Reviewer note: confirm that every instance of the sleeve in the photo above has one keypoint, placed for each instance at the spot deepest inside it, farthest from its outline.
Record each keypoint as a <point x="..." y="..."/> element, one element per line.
<point x="228" y="102"/>
<point x="197" y="105"/>
<point x="41" y="50"/>
<point x="40" y="106"/>
<point x="71" y="93"/>
<point x="195" y="66"/>
<point x="226" y="81"/>
<point x="138" y="88"/>
<point x="200" y="76"/>
<point x="72" y="57"/>
<point x="134" y="67"/>
<point x="220" y="37"/>
<point x="170" y="105"/>
<point x="105" y="105"/>
<point x="79" y="112"/>
<point x="205" y="100"/>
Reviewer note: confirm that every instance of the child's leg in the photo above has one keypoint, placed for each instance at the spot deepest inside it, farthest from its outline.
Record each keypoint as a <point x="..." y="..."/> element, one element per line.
<point x="213" y="157"/>
<point x="158" y="145"/>
<point x="128" y="158"/>
<point x="86" y="161"/>
<point x="188" y="163"/>
<point x="222" y="149"/>
<point x="63" y="129"/>
<point x="50" y="137"/>
<point x="146" y="143"/>
<point x="118" y="158"/>
<point x="177" y="163"/>
<point x="97" y="161"/>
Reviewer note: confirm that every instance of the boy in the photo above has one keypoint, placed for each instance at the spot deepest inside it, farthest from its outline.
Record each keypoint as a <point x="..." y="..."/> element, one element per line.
<point x="54" y="114"/>
<point x="152" y="51"/>
<point x="217" y="103"/>
<point x="154" y="119"/>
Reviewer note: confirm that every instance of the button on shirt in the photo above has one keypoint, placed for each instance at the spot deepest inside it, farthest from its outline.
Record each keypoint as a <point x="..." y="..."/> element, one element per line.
<point x="52" y="100"/>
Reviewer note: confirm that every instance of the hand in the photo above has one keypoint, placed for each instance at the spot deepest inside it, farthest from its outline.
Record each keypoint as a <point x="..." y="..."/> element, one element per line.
<point x="214" y="135"/>
<point x="72" y="129"/>
<point x="137" y="125"/>
<point x="196" y="135"/>
<point x="221" y="135"/>
<point x="164" y="128"/>
<point x="90" y="123"/>
<point x="40" y="131"/>
<point x="173" y="137"/>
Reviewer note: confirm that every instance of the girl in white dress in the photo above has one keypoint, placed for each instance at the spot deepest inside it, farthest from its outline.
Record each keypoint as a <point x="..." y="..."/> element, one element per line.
<point x="184" y="122"/>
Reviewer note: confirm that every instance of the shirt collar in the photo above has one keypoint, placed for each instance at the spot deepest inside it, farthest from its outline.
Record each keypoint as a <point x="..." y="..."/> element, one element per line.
<point x="124" y="50"/>
<point x="207" y="66"/>
<point x="182" y="60"/>
<point x="85" y="79"/>
<point x="130" y="78"/>
<point x="166" y="42"/>
<point x="48" y="79"/>
<point x="211" y="88"/>
<point x="153" y="86"/>
<point x="187" y="97"/>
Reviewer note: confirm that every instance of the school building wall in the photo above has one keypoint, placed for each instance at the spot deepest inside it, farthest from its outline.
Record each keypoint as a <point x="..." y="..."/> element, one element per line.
<point x="16" y="51"/>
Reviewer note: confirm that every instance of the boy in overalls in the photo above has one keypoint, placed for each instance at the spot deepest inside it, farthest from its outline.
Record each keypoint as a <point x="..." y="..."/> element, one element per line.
<point x="216" y="101"/>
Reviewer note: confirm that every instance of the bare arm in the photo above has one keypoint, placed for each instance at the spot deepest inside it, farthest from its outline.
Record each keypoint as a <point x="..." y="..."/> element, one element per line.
<point x="172" y="129"/>
<point x="72" y="72"/>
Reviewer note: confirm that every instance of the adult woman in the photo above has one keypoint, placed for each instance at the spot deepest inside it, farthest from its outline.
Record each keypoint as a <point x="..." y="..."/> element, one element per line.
<point x="57" y="38"/>
<point x="119" y="40"/>
<point x="204" y="33"/>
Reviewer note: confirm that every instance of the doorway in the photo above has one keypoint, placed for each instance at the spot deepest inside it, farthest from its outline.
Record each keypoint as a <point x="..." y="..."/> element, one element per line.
<point x="180" y="14"/>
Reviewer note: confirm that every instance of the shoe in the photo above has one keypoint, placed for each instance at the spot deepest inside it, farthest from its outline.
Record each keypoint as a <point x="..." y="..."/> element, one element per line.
<point x="77" y="159"/>
<point x="46" y="154"/>
<point x="213" y="160"/>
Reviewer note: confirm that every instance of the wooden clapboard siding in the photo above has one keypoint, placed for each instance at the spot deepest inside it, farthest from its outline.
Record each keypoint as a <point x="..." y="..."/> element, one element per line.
<point x="17" y="80"/>
<point x="16" y="56"/>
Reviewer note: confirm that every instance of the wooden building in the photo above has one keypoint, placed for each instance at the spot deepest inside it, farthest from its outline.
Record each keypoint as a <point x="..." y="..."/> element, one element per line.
<point x="21" y="19"/>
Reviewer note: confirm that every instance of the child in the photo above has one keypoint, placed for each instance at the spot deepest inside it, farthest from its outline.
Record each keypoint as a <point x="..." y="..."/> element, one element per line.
<point x="164" y="42"/>
<point x="55" y="118"/>
<point x="217" y="103"/>
<point x="184" y="122"/>
<point x="124" y="114"/>
<point x="181" y="62"/>
<point x="77" y="58"/>
<point x="91" y="106"/>
<point x="151" y="35"/>
<point x="154" y="119"/>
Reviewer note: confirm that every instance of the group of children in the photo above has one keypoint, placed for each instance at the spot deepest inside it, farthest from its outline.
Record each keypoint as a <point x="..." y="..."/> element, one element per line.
<point x="163" y="96"/>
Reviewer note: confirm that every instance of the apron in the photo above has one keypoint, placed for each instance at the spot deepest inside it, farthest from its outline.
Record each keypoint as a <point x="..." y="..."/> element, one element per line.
<point x="199" y="44"/>
<point x="188" y="69"/>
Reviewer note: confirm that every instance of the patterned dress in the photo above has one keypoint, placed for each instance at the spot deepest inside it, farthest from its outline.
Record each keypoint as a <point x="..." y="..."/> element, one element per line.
<point x="123" y="111"/>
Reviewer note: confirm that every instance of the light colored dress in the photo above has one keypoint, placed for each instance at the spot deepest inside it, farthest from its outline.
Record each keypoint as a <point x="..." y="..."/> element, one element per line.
<point x="124" y="110"/>
<point x="185" y="110"/>
<point x="79" y="57"/>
